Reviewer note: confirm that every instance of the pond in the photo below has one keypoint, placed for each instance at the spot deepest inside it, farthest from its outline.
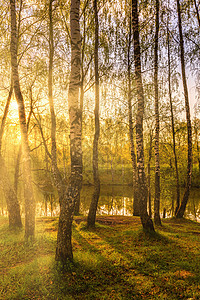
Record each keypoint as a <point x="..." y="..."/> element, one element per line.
<point x="118" y="200"/>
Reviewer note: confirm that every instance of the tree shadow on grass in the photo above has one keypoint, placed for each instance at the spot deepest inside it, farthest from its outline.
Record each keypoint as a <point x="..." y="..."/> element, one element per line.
<point x="112" y="262"/>
<point x="154" y="265"/>
<point x="92" y="275"/>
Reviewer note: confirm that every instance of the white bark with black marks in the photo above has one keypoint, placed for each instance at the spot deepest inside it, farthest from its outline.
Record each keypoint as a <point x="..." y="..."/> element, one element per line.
<point x="64" y="243"/>
<point x="142" y="186"/>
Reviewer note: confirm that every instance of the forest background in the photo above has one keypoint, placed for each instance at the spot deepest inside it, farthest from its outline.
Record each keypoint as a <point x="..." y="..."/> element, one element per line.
<point x="44" y="47"/>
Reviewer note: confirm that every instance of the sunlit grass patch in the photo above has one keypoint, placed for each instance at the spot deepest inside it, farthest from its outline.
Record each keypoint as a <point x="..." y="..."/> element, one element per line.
<point x="26" y="280"/>
<point x="110" y="262"/>
<point x="86" y="259"/>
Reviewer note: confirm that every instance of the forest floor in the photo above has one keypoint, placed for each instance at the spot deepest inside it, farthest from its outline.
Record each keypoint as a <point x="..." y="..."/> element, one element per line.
<point x="117" y="260"/>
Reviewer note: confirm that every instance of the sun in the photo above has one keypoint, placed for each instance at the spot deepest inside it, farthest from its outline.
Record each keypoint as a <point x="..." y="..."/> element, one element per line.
<point x="13" y="111"/>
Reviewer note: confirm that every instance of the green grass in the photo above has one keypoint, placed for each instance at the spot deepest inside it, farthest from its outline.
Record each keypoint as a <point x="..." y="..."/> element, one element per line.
<point x="110" y="262"/>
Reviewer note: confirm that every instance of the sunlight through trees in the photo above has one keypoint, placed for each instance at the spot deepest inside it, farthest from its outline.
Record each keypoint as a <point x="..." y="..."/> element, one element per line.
<point x="100" y="112"/>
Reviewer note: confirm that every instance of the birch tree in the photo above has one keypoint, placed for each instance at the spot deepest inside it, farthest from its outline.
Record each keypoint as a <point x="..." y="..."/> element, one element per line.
<point x="68" y="201"/>
<point x="95" y="198"/>
<point x="157" y="219"/>
<point x="172" y="122"/>
<point x="28" y="189"/>
<point x="136" y="208"/>
<point x="142" y="186"/>
<point x="181" y="209"/>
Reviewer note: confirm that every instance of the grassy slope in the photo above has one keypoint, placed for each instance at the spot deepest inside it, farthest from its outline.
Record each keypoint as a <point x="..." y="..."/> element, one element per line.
<point x="112" y="262"/>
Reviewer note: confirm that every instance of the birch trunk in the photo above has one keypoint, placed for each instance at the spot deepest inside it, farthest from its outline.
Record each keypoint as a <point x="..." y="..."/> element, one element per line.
<point x="136" y="207"/>
<point x="142" y="187"/>
<point x="149" y="174"/>
<point x="183" y="204"/>
<point x="197" y="11"/>
<point x="157" y="219"/>
<point x="56" y="173"/>
<point x="196" y="128"/>
<point x="95" y="198"/>
<point x="64" y="243"/>
<point x="77" y="206"/>
<point x="173" y="127"/>
<point x="28" y="189"/>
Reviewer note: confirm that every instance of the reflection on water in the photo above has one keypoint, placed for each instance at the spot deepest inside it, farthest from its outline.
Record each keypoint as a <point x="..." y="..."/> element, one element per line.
<point x="114" y="200"/>
<point x="193" y="207"/>
<point x="118" y="200"/>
